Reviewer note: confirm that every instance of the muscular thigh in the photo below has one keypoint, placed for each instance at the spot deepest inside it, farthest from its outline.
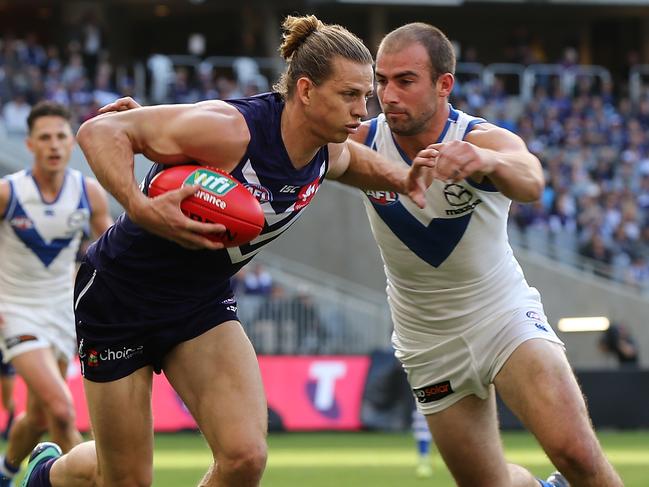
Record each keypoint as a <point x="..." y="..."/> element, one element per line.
<point x="466" y="435"/>
<point x="217" y="376"/>
<point x="538" y="385"/>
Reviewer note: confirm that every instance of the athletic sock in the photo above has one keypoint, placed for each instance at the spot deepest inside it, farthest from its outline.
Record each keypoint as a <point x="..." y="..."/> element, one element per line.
<point x="40" y="476"/>
<point x="423" y="447"/>
<point x="7" y="469"/>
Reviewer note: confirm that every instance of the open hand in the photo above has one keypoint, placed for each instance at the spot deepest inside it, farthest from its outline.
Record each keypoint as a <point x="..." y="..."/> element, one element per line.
<point x="457" y="160"/>
<point x="421" y="174"/>
<point x="162" y="216"/>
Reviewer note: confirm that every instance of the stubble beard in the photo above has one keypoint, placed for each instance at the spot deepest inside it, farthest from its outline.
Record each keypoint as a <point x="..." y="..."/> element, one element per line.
<point x="411" y="126"/>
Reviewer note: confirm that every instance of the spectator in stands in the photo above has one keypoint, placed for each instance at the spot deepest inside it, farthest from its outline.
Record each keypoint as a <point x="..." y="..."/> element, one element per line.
<point x="162" y="75"/>
<point x="272" y="329"/>
<point x="257" y="281"/>
<point x="617" y="341"/>
<point x="599" y="254"/>
<point x="310" y="333"/>
<point x="637" y="274"/>
<point x="15" y="115"/>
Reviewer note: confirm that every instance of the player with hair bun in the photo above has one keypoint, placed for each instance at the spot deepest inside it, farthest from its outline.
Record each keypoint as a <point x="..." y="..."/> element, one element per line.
<point x="154" y="293"/>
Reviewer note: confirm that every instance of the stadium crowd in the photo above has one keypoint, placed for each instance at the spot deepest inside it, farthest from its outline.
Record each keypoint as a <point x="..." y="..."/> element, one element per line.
<point x="592" y="142"/>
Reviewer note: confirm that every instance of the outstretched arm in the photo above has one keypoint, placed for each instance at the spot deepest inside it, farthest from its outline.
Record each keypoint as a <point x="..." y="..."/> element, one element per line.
<point x="357" y="165"/>
<point x="211" y="133"/>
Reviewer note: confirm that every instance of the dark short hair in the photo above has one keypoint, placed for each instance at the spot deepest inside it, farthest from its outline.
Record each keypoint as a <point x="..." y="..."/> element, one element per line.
<point x="440" y="50"/>
<point x="45" y="109"/>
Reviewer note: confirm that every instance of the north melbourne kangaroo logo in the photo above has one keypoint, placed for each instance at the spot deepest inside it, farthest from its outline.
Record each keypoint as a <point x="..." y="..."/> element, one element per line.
<point x="457" y="195"/>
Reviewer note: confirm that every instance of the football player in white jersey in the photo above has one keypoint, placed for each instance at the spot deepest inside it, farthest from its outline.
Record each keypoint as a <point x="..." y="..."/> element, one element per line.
<point x="44" y="211"/>
<point x="465" y="318"/>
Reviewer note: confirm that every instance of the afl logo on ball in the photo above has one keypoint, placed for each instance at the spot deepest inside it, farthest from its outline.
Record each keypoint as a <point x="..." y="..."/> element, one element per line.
<point x="457" y="195"/>
<point x="260" y="192"/>
<point x="382" y="198"/>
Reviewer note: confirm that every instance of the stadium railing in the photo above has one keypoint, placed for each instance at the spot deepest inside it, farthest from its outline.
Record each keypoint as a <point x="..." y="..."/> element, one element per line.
<point x="319" y="313"/>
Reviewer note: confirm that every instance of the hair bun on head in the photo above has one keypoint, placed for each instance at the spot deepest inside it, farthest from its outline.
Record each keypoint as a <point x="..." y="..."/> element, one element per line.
<point x="296" y="32"/>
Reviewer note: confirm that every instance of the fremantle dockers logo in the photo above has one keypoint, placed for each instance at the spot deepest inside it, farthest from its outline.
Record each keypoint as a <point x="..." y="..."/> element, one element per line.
<point x="211" y="181"/>
<point x="457" y="195"/>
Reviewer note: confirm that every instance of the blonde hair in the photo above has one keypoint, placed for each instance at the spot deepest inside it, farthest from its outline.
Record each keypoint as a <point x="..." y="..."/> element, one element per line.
<point x="309" y="46"/>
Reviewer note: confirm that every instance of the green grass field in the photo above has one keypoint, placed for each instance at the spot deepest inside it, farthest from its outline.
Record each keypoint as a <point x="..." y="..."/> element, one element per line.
<point x="372" y="459"/>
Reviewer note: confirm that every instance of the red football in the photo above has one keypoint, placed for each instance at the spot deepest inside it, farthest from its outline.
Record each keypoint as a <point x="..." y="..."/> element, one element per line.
<point x="220" y="199"/>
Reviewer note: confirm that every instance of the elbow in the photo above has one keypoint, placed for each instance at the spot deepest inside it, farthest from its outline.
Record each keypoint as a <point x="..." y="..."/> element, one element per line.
<point x="535" y="190"/>
<point x="99" y="131"/>
<point x="88" y="133"/>
<point x="529" y="192"/>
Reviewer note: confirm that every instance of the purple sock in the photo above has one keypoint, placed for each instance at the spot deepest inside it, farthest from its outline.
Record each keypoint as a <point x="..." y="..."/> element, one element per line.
<point x="40" y="476"/>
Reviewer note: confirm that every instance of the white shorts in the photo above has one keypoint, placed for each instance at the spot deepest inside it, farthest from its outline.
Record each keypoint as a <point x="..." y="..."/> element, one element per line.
<point x="30" y="327"/>
<point x="451" y="367"/>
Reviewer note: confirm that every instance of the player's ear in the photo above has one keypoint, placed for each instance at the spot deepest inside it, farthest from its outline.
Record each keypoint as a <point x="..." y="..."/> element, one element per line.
<point x="29" y="143"/>
<point x="303" y="90"/>
<point x="445" y="84"/>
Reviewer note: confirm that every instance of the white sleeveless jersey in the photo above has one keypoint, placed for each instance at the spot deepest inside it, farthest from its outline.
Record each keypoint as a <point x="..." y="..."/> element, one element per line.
<point x="39" y="240"/>
<point x="449" y="265"/>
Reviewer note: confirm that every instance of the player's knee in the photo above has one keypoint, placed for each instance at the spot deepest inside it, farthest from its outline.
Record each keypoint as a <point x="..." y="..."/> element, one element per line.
<point x="248" y="461"/>
<point x="37" y="421"/>
<point x="578" y="456"/>
<point x="62" y="413"/>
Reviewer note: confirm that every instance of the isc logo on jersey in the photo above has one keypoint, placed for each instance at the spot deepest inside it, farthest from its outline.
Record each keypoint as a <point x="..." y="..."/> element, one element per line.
<point x="211" y="181"/>
<point x="306" y="194"/>
<point x="260" y="192"/>
<point x="383" y="198"/>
